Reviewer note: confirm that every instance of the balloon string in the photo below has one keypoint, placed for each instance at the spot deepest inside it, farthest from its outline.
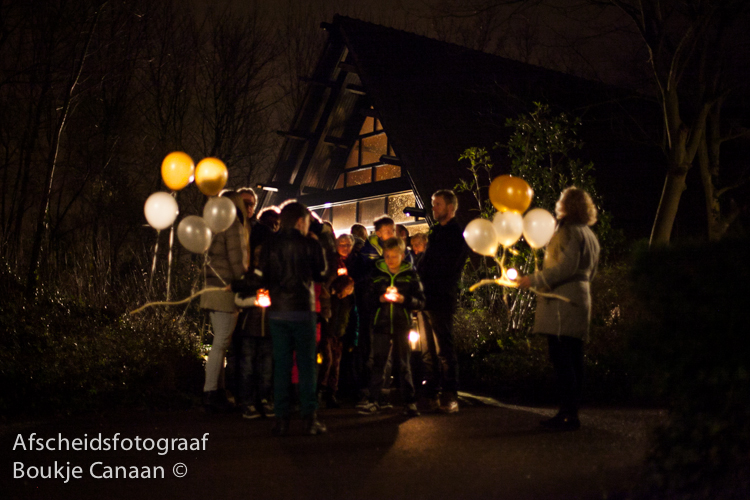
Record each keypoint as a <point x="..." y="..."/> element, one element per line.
<point x="208" y="264"/>
<point x="511" y="284"/>
<point x="169" y="260"/>
<point x="175" y="303"/>
<point x="153" y="264"/>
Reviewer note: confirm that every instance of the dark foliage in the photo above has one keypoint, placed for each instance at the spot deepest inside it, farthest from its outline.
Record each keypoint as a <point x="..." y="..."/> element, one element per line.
<point x="696" y="341"/>
<point x="60" y="355"/>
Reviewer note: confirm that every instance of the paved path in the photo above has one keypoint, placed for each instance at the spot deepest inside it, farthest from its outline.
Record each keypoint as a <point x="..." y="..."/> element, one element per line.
<point x="486" y="451"/>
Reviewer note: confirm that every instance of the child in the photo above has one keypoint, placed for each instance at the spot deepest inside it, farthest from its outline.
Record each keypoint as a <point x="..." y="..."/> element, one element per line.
<point x="332" y="344"/>
<point x="254" y="349"/>
<point x="395" y="291"/>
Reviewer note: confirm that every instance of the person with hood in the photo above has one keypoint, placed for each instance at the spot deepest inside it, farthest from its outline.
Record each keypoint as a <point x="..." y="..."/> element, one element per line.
<point x="228" y="260"/>
<point x="395" y="291"/>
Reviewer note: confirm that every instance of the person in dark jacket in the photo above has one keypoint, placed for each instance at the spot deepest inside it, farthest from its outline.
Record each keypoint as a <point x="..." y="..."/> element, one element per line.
<point x="290" y="263"/>
<point x="332" y="338"/>
<point x="253" y="350"/>
<point x="252" y="339"/>
<point x="395" y="291"/>
<point x="418" y="246"/>
<point x="440" y="269"/>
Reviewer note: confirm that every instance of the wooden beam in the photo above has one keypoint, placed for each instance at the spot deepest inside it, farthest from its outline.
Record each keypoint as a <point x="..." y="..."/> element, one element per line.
<point x="295" y="134"/>
<point x="345" y="66"/>
<point x="356" y="89"/>
<point x="336" y="141"/>
<point x="391" y="160"/>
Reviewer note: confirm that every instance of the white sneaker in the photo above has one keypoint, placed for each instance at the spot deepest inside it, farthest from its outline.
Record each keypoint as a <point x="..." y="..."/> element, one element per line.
<point x="370" y="409"/>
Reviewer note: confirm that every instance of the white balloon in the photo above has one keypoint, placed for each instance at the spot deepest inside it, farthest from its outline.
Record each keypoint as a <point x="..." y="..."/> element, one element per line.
<point x="538" y="227"/>
<point x="481" y="237"/>
<point x="161" y="210"/>
<point x="508" y="226"/>
<point x="194" y="234"/>
<point x="219" y="213"/>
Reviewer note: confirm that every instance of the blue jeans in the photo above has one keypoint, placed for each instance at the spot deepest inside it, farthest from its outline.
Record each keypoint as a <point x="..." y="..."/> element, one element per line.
<point x="254" y="366"/>
<point x="290" y="337"/>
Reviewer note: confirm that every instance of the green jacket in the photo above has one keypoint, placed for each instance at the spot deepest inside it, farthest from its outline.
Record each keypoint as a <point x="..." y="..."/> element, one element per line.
<point x="392" y="317"/>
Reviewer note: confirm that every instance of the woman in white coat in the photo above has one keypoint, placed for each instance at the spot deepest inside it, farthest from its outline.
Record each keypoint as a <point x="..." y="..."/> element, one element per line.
<point x="228" y="261"/>
<point x="570" y="263"/>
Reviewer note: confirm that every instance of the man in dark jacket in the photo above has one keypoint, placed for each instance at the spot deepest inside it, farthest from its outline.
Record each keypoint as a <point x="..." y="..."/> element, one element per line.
<point x="440" y="269"/>
<point x="290" y="262"/>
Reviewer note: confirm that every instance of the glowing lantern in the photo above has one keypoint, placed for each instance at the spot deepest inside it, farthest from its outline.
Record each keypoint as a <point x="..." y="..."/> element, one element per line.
<point x="414" y="339"/>
<point x="262" y="298"/>
<point x="342" y="271"/>
<point x="391" y="294"/>
<point x="512" y="274"/>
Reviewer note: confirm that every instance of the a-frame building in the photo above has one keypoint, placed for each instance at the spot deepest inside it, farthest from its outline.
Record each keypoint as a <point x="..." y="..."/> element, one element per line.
<point x="387" y="113"/>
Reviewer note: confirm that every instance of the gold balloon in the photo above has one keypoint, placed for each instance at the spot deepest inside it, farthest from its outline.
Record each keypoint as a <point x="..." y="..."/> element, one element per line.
<point x="177" y="170"/>
<point x="510" y="194"/>
<point x="211" y="176"/>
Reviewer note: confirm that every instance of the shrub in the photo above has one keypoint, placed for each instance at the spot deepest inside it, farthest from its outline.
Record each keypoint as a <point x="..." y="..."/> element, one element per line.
<point x="695" y="339"/>
<point x="61" y="354"/>
<point x="512" y="363"/>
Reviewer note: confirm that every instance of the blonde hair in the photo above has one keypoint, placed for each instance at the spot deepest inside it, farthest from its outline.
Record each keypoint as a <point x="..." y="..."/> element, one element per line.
<point x="576" y="206"/>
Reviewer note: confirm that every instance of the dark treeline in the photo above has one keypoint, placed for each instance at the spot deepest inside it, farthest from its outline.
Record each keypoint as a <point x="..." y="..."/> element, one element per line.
<point x="95" y="93"/>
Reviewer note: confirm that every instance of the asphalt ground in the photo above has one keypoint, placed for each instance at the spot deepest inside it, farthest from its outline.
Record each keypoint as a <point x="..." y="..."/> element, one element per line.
<point x="487" y="450"/>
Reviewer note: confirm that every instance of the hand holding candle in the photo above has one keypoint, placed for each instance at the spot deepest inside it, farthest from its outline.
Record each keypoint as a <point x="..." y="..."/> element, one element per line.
<point x="392" y="295"/>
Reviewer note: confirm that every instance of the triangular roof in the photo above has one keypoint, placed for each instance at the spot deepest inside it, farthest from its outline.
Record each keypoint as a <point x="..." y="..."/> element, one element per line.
<point x="434" y="100"/>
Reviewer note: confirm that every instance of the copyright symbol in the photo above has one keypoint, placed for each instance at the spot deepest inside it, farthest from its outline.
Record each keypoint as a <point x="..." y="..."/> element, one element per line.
<point x="179" y="470"/>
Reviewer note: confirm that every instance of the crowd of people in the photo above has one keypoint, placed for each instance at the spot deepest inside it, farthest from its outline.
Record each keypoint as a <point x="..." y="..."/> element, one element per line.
<point x="311" y="319"/>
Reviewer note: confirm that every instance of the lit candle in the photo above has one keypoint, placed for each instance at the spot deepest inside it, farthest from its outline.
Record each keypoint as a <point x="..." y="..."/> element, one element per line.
<point x="413" y="339"/>
<point x="262" y="298"/>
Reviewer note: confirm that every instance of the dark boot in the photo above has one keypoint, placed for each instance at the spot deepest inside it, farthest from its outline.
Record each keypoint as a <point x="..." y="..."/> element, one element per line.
<point x="281" y="428"/>
<point x="216" y="402"/>
<point x="313" y="426"/>
<point x="330" y="400"/>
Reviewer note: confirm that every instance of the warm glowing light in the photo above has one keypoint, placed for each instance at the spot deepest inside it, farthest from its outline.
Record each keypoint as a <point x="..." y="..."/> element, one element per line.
<point x="391" y="294"/>
<point x="262" y="298"/>
<point x="413" y="339"/>
<point x="512" y="274"/>
<point x="342" y="271"/>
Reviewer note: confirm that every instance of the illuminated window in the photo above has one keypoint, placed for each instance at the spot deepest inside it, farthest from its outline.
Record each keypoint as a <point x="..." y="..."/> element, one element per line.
<point x="371" y="209"/>
<point x="396" y="205"/>
<point x="367" y="150"/>
<point x="343" y="216"/>
<point x="385" y="172"/>
<point x="365" y="212"/>
<point x="373" y="148"/>
<point x="359" y="177"/>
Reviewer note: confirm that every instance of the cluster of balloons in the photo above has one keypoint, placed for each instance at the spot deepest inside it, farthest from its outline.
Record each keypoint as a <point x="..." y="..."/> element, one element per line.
<point x="511" y="196"/>
<point x="210" y="175"/>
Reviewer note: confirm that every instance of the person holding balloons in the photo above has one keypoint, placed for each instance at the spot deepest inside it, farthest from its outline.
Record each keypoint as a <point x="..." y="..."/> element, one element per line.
<point x="570" y="263"/>
<point x="228" y="260"/>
